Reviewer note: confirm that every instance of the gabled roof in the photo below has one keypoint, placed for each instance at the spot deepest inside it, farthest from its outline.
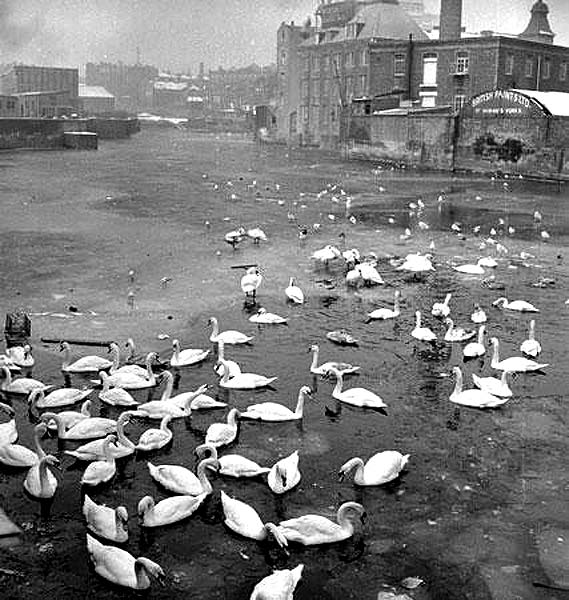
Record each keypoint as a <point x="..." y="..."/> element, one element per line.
<point x="93" y="91"/>
<point x="556" y="103"/>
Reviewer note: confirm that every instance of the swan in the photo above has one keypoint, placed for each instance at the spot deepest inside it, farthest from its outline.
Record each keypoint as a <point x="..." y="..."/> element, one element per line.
<point x="21" y="385"/>
<point x="267" y="318"/>
<point x="496" y="387"/>
<point x="284" y="474"/>
<point x="244" y="520"/>
<point x="131" y="381"/>
<point x="40" y="482"/>
<point x="517" y="305"/>
<point x="132" y="358"/>
<point x="474" y="349"/>
<point x="474" y="397"/>
<point x="251" y="281"/>
<point x="423" y="334"/>
<point x="186" y="357"/>
<point x="416" y="263"/>
<point x="101" y="471"/>
<point x="87" y="429"/>
<point x="86" y="364"/>
<point x="106" y="522"/>
<point x="531" y="347"/>
<point x="8" y="431"/>
<point x="256" y="234"/>
<point x="234" y="368"/>
<point x="16" y="455"/>
<point x="488" y="262"/>
<point x="273" y="411"/>
<point x="168" y="511"/>
<point x="387" y="313"/>
<point x="132" y="369"/>
<point x="71" y="417"/>
<point x="470" y="269"/>
<point x="326" y="254"/>
<point x="153" y="439"/>
<point x="221" y="434"/>
<point x="95" y="450"/>
<point x="344" y="368"/>
<point x="310" y="530"/>
<point x="188" y="401"/>
<point x="442" y="309"/>
<point x="280" y="585"/>
<point x="6" y="361"/>
<point x="180" y="480"/>
<point x="57" y="398"/>
<point x="176" y="407"/>
<point x="235" y="236"/>
<point x="516" y="364"/>
<point x="381" y="468"/>
<point x="457" y="334"/>
<point x="230" y="336"/>
<point x="232" y="465"/>
<point x="342" y="338"/>
<point x="294" y="293"/>
<point x="369" y="274"/>
<point x="21" y="356"/>
<point x="243" y="381"/>
<point x="355" y="396"/>
<point x="115" y="396"/>
<point x="478" y="315"/>
<point x="118" y="566"/>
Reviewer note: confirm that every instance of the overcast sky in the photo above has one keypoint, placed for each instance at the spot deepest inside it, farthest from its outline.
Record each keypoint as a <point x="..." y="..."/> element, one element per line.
<point x="179" y="34"/>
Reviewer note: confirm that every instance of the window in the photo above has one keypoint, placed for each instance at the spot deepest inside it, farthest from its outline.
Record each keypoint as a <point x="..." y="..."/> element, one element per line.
<point x="349" y="60"/>
<point x="351" y="30"/>
<point x="399" y="65"/>
<point x="362" y="85"/>
<point x="337" y="63"/>
<point x="430" y="69"/>
<point x="563" y="71"/>
<point x="458" y="103"/>
<point x="325" y="62"/>
<point x="546" y="68"/>
<point x="509" y="64"/>
<point x="364" y="57"/>
<point x="304" y="113"/>
<point x="349" y="86"/>
<point x="315" y="62"/>
<point x="283" y="57"/>
<point x="304" y="89"/>
<point x="529" y="67"/>
<point x="315" y="95"/>
<point x="462" y="62"/>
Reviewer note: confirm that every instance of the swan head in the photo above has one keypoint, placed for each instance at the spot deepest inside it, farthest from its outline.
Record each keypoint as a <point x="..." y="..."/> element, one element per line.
<point x="494" y="341"/>
<point x="305" y="391"/>
<point x="313" y="348"/>
<point x="212" y="320"/>
<point x="205" y="450"/>
<point x="351" y="511"/>
<point x="52" y="461"/>
<point x="129" y="343"/>
<point x="176" y="344"/>
<point x="346" y="468"/>
<point x="152" y="569"/>
<point x="500" y="302"/>
<point x="63" y="346"/>
<point x="8" y="409"/>
<point x="122" y="515"/>
<point x="146" y="504"/>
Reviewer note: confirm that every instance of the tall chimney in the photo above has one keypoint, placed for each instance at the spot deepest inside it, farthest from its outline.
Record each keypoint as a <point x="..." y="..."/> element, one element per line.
<point x="450" y="24"/>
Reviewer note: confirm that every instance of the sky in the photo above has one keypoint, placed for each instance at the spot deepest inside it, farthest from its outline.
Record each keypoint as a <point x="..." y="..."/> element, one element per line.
<point x="179" y="34"/>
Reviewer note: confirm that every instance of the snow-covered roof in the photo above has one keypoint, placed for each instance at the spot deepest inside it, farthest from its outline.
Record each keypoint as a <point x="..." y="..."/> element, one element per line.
<point x="93" y="91"/>
<point x="170" y="86"/>
<point x="556" y="103"/>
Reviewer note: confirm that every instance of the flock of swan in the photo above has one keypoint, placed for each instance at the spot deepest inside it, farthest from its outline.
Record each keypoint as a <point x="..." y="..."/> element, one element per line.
<point x="101" y="441"/>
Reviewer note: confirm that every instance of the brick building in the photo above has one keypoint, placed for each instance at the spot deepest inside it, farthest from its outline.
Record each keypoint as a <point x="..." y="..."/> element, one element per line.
<point x="96" y="100"/>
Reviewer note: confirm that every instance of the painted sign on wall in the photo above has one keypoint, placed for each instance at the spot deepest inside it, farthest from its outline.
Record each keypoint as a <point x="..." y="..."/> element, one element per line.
<point x="502" y="103"/>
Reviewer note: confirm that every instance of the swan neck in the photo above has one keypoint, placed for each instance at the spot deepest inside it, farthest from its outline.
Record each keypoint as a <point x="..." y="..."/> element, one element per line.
<point x="115" y="355"/>
<point x="458" y="382"/>
<point x="495" y="352"/>
<point x="343" y="521"/>
<point x="121" y="437"/>
<point x="106" y="382"/>
<point x="356" y="464"/>
<point x="214" y="327"/>
<point x="315" y="352"/>
<point x="107" y="450"/>
<point x="202" y="476"/>
<point x="37" y="443"/>
<point x="168" y="387"/>
<point x="142" y="579"/>
<point x="299" y="410"/>
<point x="232" y="418"/>
<point x="481" y="335"/>
<point x="532" y="330"/>
<point x="225" y="371"/>
<point x="220" y="350"/>
<point x="339" y="383"/>
<point x="396" y="307"/>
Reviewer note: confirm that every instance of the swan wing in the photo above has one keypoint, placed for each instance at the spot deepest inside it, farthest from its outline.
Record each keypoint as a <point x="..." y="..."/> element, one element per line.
<point x="15" y="455"/>
<point x="384" y="467"/>
<point x="362" y="397"/>
<point x="477" y="399"/>
<point x="176" y="478"/>
<point x="172" y="510"/>
<point x="236" y="465"/>
<point x="313" y="529"/>
<point x="268" y="411"/>
<point x="280" y="585"/>
<point x="219" y="434"/>
<point x="63" y="397"/>
<point x="99" y="471"/>
<point x="203" y="402"/>
<point x="92" y="427"/>
<point x="8" y="432"/>
<point x="242" y="518"/>
<point x="112" y="563"/>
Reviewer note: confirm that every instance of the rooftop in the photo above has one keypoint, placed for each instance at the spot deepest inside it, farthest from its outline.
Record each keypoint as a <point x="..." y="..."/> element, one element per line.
<point x="93" y="91"/>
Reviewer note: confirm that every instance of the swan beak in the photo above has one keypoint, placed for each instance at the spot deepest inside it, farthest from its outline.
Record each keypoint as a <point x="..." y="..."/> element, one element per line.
<point x="341" y="475"/>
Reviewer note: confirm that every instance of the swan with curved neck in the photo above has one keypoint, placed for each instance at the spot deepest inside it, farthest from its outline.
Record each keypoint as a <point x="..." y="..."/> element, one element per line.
<point x="40" y="482"/>
<point x="381" y="468"/>
<point x="168" y="511"/>
<point x="442" y="309"/>
<point x="128" y="368"/>
<point x="517" y="305"/>
<point x="284" y="474"/>
<point x="230" y="336"/>
<point x="87" y="429"/>
<point x="243" y="519"/>
<point x="310" y="530"/>
<point x="423" y="334"/>
<point x="188" y="401"/>
<point x="8" y="431"/>
<point x="474" y="397"/>
<point x="494" y="386"/>
<point x="186" y="357"/>
<point x="101" y="471"/>
<point x="294" y="293"/>
<point x="477" y="348"/>
<point x="21" y="385"/>
<point x="273" y="411"/>
<point x="86" y="364"/>
<point x="531" y="347"/>
<point x="243" y="381"/>
<point x="21" y="356"/>
<point x="344" y="368"/>
<point x="118" y="566"/>
<point x="515" y="364"/>
<point x="221" y="434"/>
<point x="179" y="480"/>
<point x="158" y="409"/>
<point x="263" y="317"/>
<point x="356" y="396"/>
<point x="280" y="584"/>
<point x="70" y="417"/>
<point x="16" y="455"/>
<point x="478" y="315"/>
<point x="457" y="334"/>
<point x="154" y="439"/>
<point x="57" y="398"/>
<point x="132" y="381"/>
<point x="387" y="313"/>
<point x="233" y="465"/>
<point x="106" y="522"/>
<point x="234" y="368"/>
<point x="115" y="396"/>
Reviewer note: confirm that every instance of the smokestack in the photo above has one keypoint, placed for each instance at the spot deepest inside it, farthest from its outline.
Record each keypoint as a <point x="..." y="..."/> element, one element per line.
<point x="450" y="24"/>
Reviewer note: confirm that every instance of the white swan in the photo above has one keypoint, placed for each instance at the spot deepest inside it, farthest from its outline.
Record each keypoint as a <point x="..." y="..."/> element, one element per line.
<point x="8" y="431"/>
<point x="381" y="468"/>
<point x="273" y="411"/>
<point x="6" y="361"/>
<point x="311" y="530"/>
<point x="40" y="482"/>
<point x="57" y="398"/>
<point x="470" y="269"/>
<point x="280" y="585"/>
<point x="531" y="347"/>
<point x="256" y="234"/>
<point x="477" y="348"/>
<point x="232" y="465"/>
<point x="188" y="401"/>
<point x="21" y="356"/>
<point x="423" y="334"/>
<point x="356" y="396"/>
<point x="494" y="386"/>
<point x="106" y="522"/>
<point x="457" y="334"/>
<point x="21" y="385"/>
<point x="294" y="293"/>
<point x="515" y="364"/>
<point x="168" y="511"/>
<point x="326" y="254"/>
<point x="442" y="309"/>
<point x="86" y="364"/>
<point x="387" y="313"/>
<point x="115" y="396"/>
<point x="517" y="305"/>
<point x="154" y="439"/>
<point x="243" y="381"/>
<point x="416" y="263"/>
<point x="95" y="450"/>
<point x="267" y="318"/>
<point x="478" y="315"/>
<point x="244" y="520"/>
<point x="101" y="471"/>
<point x="186" y="357"/>
<point x="284" y="474"/>
<point x="230" y="336"/>
<point x="71" y="417"/>
<point x="130" y="380"/>
<point x="118" y="566"/>
<point x="181" y="480"/>
<point x="16" y="455"/>
<point x="344" y="368"/>
<point x="473" y="397"/>
<point x="87" y="429"/>
<point x="158" y="409"/>
<point x="251" y="281"/>
<point x="234" y="368"/>
<point x="369" y="273"/>
<point x="130" y="368"/>
<point x="221" y="434"/>
<point x="488" y="261"/>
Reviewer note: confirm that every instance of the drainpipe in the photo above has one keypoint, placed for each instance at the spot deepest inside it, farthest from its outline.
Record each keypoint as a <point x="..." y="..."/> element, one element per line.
<point x="538" y="75"/>
<point x="409" y="66"/>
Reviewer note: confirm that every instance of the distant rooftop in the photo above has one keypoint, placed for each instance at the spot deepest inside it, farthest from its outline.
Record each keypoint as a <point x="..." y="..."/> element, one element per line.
<point x="93" y="91"/>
